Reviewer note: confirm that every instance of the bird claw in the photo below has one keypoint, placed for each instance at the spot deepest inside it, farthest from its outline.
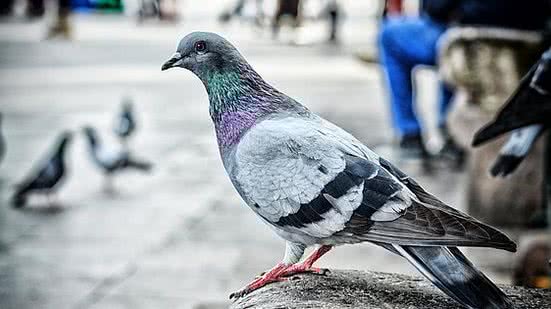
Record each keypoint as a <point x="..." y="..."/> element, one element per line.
<point x="321" y="271"/>
<point x="248" y="289"/>
<point x="239" y="294"/>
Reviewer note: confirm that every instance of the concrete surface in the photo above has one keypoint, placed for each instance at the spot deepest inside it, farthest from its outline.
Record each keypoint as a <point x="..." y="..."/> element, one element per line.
<point x="179" y="237"/>
<point x="359" y="289"/>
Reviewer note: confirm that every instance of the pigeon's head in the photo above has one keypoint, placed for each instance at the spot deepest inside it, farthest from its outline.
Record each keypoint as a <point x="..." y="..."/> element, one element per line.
<point x="64" y="139"/>
<point x="203" y="53"/>
<point x="126" y="103"/>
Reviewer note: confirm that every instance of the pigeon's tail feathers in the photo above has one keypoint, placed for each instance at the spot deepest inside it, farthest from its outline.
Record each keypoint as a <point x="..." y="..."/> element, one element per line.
<point x="139" y="165"/>
<point x="504" y="165"/>
<point x="515" y="150"/>
<point x="450" y="271"/>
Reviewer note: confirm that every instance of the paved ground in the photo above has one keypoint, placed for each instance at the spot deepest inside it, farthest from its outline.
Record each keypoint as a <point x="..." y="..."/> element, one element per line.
<point x="179" y="237"/>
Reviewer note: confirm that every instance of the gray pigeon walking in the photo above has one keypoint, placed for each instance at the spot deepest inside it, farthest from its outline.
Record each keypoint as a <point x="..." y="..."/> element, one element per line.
<point x="315" y="184"/>
<point x="112" y="160"/>
<point x="125" y="124"/>
<point x="46" y="176"/>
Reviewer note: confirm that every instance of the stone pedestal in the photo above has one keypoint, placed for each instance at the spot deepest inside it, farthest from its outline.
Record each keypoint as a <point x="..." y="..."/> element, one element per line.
<point x="358" y="289"/>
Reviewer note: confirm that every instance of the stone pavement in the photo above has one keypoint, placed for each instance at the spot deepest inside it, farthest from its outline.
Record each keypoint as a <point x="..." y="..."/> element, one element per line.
<point x="179" y="237"/>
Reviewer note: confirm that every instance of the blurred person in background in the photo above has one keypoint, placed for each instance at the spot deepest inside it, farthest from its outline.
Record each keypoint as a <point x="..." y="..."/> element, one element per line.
<point x="61" y="26"/>
<point x="237" y="11"/>
<point x="169" y="10"/>
<point x="36" y="9"/>
<point x="289" y="8"/>
<point x="149" y="9"/>
<point x="406" y="42"/>
<point x="166" y="10"/>
<point x="333" y="12"/>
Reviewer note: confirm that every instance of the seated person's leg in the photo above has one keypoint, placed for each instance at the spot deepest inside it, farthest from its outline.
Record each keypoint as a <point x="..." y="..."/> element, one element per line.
<point x="398" y="74"/>
<point x="404" y="43"/>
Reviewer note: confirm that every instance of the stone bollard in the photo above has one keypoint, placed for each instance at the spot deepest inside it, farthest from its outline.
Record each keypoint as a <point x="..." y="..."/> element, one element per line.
<point x="346" y="289"/>
<point x="485" y="66"/>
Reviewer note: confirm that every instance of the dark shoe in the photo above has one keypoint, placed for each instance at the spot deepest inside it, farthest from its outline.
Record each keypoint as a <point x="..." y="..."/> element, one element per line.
<point x="368" y="56"/>
<point x="412" y="147"/>
<point x="452" y="154"/>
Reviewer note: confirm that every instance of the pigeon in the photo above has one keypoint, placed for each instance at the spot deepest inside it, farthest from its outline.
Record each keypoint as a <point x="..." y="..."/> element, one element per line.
<point x="316" y="185"/>
<point x="46" y="176"/>
<point x="126" y="125"/>
<point x="2" y="142"/>
<point x="527" y="113"/>
<point x="111" y="160"/>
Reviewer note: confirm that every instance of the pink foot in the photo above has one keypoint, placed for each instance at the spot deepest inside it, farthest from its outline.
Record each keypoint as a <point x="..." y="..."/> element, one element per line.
<point x="274" y="275"/>
<point x="281" y="272"/>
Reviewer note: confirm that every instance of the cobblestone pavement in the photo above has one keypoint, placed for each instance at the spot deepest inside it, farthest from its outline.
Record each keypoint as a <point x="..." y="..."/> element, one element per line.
<point x="179" y="237"/>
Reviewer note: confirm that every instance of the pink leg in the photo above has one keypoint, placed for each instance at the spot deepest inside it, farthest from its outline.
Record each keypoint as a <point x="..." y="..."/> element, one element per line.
<point x="281" y="270"/>
<point x="306" y="265"/>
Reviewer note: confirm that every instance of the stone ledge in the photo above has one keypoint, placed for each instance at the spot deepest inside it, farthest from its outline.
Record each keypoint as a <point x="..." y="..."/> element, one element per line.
<point x="359" y="289"/>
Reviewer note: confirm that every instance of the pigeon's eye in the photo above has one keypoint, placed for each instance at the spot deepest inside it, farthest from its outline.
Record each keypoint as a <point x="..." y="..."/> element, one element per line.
<point x="201" y="47"/>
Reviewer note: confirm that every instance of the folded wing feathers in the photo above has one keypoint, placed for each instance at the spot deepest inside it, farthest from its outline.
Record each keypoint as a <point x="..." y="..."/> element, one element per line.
<point x="309" y="184"/>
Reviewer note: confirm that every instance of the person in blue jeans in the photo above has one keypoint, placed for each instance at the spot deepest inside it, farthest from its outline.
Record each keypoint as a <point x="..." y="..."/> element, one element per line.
<point x="405" y="43"/>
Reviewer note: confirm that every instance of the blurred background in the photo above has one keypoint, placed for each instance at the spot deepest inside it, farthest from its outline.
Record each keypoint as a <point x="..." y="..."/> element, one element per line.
<point x="177" y="235"/>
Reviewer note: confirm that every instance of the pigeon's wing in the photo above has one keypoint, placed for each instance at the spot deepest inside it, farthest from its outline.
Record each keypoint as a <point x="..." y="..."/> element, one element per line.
<point x="40" y="176"/>
<point x="311" y="179"/>
<point x="427" y="221"/>
<point x="123" y="126"/>
<point x="529" y="104"/>
<point x="296" y="175"/>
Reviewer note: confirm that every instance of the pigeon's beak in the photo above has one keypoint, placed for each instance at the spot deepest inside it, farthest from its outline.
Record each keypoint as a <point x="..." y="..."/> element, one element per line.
<point x="174" y="61"/>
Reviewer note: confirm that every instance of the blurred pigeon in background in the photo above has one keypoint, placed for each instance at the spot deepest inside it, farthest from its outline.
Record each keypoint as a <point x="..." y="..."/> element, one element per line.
<point x="111" y="159"/>
<point x="46" y="176"/>
<point x="125" y="123"/>
<point x="2" y="141"/>
<point x="527" y="112"/>
<point x="316" y="184"/>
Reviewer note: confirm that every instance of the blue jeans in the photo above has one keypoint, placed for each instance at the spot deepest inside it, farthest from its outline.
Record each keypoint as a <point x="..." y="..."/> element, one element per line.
<point x="404" y="43"/>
